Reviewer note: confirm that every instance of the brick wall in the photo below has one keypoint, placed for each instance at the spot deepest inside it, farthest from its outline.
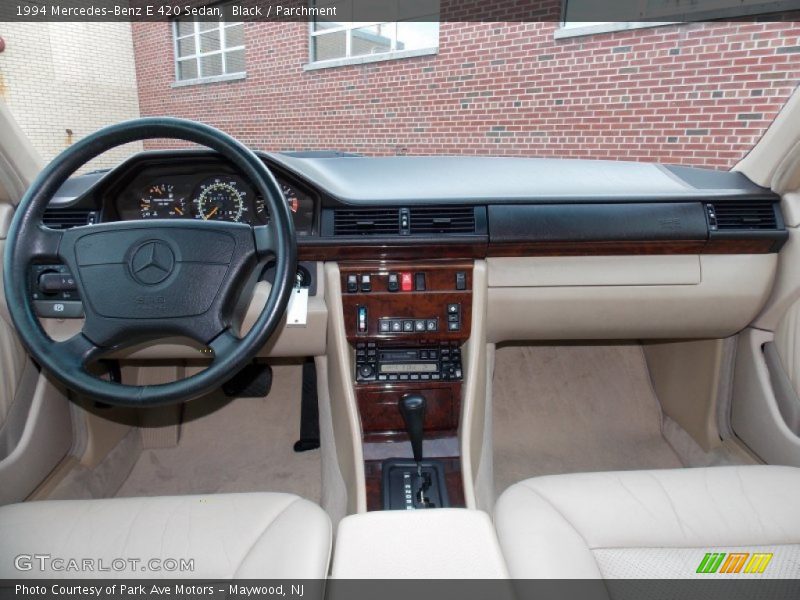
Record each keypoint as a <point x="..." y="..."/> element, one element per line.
<point x="696" y="94"/>
<point x="56" y="77"/>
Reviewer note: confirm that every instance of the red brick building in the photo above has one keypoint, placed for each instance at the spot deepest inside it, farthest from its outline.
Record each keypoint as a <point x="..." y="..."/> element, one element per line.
<point x="696" y="94"/>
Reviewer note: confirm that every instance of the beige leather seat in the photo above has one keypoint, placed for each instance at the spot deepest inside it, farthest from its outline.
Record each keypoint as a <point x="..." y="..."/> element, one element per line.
<point x="650" y="524"/>
<point x="259" y="535"/>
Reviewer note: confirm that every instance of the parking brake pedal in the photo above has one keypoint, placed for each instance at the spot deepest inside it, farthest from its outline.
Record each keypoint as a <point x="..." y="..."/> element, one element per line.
<point x="253" y="381"/>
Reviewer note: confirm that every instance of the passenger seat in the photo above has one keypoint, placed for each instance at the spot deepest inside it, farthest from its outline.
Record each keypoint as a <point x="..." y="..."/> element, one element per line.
<point x="651" y="524"/>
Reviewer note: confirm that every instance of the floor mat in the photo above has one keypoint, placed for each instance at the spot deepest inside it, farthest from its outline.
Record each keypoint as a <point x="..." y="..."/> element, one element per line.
<point x="570" y="408"/>
<point x="245" y="445"/>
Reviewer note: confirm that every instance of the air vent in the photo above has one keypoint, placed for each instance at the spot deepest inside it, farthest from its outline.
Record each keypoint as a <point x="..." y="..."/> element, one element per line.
<point x="67" y="218"/>
<point x="751" y="215"/>
<point x="366" y="221"/>
<point x="442" y="219"/>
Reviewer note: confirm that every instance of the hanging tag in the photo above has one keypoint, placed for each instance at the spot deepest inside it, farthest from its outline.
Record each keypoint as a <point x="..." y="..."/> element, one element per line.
<point x="297" y="313"/>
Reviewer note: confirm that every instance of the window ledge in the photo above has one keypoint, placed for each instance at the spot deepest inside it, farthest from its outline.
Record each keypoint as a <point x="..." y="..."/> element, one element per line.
<point x="368" y="58"/>
<point x="204" y="80"/>
<point x="591" y="29"/>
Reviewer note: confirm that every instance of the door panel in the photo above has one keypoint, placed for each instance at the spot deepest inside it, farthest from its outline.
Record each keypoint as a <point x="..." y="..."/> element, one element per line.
<point x="35" y="421"/>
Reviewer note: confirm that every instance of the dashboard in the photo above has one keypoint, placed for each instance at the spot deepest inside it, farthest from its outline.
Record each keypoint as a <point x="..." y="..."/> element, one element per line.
<point x="660" y="251"/>
<point x="161" y="192"/>
<point x="349" y="207"/>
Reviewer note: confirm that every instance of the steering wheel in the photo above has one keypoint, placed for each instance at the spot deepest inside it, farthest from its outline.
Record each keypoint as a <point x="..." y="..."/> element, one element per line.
<point x="145" y="280"/>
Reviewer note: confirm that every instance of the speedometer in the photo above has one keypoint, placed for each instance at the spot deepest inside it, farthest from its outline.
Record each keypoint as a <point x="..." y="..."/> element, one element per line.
<point x="221" y="199"/>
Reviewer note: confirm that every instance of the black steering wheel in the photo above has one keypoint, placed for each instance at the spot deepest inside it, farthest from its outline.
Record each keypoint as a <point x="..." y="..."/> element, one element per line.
<point x="145" y="280"/>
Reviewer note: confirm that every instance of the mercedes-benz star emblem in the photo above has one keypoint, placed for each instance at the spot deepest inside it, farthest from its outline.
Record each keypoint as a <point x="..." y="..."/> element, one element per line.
<point x="152" y="262"/>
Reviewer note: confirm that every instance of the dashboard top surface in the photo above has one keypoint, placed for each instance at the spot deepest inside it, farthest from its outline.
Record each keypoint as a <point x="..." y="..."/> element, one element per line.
<point x="443" y="179"/>
<point x="410" y="180"/>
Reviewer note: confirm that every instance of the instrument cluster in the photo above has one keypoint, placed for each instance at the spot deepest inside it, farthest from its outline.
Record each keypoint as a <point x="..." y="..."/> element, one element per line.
<point x="220" y="197"/>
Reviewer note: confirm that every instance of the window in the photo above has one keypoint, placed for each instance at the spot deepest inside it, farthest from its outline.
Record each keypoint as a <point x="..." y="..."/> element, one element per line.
<point x="414" y="33"/>
<point x="583" y="17"/>
<point x="208" y="51"/>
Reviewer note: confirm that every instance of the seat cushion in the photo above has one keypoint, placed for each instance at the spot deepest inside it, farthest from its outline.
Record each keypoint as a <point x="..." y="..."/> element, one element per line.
<point x="258" y="535"/>
<point x="649" y="524"/>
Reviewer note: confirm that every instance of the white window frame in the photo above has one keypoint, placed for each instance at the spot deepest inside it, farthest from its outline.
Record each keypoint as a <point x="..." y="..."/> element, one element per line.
<point x="577" y="29"/>
<point x="348" y="59"/>
<point x="748" y="8"/>
<point x="222" y="27"/>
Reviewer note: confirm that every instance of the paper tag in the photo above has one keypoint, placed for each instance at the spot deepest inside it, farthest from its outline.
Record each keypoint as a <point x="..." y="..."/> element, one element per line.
<point x="297" y="313"/>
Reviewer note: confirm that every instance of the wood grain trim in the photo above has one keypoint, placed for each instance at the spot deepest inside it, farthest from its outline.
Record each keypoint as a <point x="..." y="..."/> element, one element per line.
<point x="632" y="248"/>
<point x="452" y="472"/>
<point x="390" y="251"/>
<point x="483" y="250"/>
<point x="726" y="246"/>
<point x="429" y="304"/>
<point x="380" y="413"/>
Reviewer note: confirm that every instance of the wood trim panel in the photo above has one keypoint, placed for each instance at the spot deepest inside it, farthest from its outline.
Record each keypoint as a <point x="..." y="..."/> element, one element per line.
<point x="373" y="469"/>
<point x="364" y="252"/>
<point x="727" y="246"/>
<point x="596" y="248"/>
<point x="429" y="304"/>
<point x="380" y="414"/>
<point x="483" y="249"/>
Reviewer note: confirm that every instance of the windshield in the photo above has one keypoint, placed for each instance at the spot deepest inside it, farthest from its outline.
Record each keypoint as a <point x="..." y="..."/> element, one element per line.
<point x="564" y="82"/>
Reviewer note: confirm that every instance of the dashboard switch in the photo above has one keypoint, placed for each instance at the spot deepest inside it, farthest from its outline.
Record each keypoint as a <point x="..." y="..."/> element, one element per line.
<point x="393" y="284"/>
<point x="461" y="280"/>
<point x="352" y="284"/>
<point x="362" y="319"/>
<point x="52" y="283"/>
<point x="419" y="282"/>
<point x="405" y="221"/>
<point x="405" y="282"/>
<point x="366" y="283"/>
<point x="58" y="310"/>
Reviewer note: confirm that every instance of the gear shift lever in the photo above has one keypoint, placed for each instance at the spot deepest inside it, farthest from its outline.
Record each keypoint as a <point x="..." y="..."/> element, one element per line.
<point x="412" y="408"/>
<point x="401" y="488"/>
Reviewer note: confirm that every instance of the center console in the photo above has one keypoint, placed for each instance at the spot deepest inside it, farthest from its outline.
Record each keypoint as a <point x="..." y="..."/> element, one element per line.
<point x="406" y="325"/>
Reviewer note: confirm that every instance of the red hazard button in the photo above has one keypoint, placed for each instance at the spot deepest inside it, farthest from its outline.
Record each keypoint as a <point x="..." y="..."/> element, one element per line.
<point x="406" y="284"/>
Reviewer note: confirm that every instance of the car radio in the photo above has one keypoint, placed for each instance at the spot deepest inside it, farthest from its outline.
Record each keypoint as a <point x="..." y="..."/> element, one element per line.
<point x="425" y="363"/>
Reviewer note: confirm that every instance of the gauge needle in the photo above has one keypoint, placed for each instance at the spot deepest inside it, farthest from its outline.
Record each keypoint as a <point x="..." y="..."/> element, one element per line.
<point x="212" y="213"/>
<point x="178" y="210"/>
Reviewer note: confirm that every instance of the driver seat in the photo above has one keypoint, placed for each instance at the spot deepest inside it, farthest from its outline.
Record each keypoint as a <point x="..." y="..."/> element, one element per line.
<point x="253" y="535"/>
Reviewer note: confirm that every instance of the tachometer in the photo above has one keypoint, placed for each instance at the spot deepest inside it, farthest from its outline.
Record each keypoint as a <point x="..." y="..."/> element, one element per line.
<point x="159" y="201"/>
<point x="221" y="199"/>
<point x="289" y="194"/>
<point x="291" y="197"/>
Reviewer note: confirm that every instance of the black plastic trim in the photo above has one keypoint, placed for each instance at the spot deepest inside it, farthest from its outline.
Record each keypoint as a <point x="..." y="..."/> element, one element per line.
<point x="597" y="222"/>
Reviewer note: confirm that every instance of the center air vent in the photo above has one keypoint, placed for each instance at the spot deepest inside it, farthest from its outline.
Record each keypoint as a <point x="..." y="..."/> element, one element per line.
<point x="67" y="218"/>
<point x="366" y="221"/>
<point x="442" y="219"/>
<point x="738" y="216"/>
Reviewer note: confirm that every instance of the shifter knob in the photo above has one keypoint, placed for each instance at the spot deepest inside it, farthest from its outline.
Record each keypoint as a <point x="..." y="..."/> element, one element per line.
<point x="412" y="407"/>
